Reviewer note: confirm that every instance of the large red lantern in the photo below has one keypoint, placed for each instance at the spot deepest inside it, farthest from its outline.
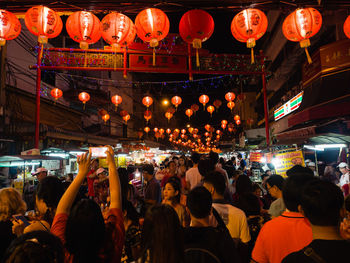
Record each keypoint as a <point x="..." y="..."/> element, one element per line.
<point x="161" y="131"/>
<point x="43" y="22"/>
<point x="207" y="127"/>
<point x="168" y="115"/>
<point x="116" y="100"/>
<point x="230" y="96"/>
<point x="237" y="117"/>
<point x="147" y="101"/>
<point x="189" y="113"/>
<point x="210" y="109"/>
<point x="126" y="118"/>
<point x="147" y="115"/>
<point x="302" y="24"/>
<point x="152" y="25"/>
<point x="248" y="26"/>
<point x="217" y="104"/>
<point x="230" y="105"/>
<point x="224" y="122"/>
<point x="84" y="97"/>
<point x="168" y="131"/>
<point x="347" y="27"/>
<point x="118" y="30"/>
<point x="155" y="129"/>
<point x="195" y="27"/>
<point x="204" y="99"/>
<point x="105" y="117"/>
<point x="176" y="101"/>
<point x="10" y="27"/>
<point x="147" y="129"/>
<point x="84" y="28"/>
<point x="56" y="93"/>
<point x="194" y="108"/>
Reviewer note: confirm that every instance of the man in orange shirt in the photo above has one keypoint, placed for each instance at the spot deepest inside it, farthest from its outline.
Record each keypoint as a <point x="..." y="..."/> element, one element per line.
<point x="287" y="233"/>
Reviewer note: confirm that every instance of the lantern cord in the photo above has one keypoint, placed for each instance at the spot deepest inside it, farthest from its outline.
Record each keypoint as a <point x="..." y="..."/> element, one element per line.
<point x="154" y="56"/>
<point x="252" y="55"/>
<point x="85" y="59"/>
<point x="83" y="105"/>
<point x="197" y="58"/>
<point x="114" y="60"/>
<point x="308" y="56"/>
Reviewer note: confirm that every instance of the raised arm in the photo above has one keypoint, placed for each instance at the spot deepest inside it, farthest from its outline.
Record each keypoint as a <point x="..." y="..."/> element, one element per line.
<point x="68" y="197"/>
<point x="114" y="183"/>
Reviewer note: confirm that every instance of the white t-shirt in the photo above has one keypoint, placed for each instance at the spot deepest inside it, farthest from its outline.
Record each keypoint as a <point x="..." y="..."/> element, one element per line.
<point x="344" y="179"/>
<point x="234" y="219"/>
<point x="193" y="177"/>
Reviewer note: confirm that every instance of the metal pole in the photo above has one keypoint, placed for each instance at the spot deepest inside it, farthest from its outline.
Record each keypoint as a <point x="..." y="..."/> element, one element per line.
<point x="266" y="111"/>
<point x="38" y="87"/>
<point x="316" y="165"/>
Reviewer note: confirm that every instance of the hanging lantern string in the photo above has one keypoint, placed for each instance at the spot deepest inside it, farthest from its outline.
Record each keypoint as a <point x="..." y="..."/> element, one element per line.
<point x="308" y="56"/>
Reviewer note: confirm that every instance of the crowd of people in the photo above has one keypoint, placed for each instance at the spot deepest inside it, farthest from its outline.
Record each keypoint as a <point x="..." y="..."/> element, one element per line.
<point x="189" y="209"/>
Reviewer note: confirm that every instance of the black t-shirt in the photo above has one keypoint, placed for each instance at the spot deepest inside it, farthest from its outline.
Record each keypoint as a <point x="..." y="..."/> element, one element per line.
<point x="331" y="251"/>
<point x="211" y="239"/>
<point x="6" y="236"/>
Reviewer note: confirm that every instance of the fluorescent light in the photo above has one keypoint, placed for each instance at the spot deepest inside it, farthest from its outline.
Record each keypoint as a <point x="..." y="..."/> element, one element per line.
<point x="63" y="155"/>
<point x="20" y="163"/>
<point x="77" y="152"/>
<point x="310" y="147"/>
<point x="325" y="146"/>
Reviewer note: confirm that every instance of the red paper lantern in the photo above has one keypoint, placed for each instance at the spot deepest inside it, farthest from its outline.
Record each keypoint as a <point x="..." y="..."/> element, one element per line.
<point x="237" y="117"/>
<point x="224" y="122"/>
<point x="177" y="131"/>
<point x="84" y="28"/>
<point x="176" y="101"/>
<point x="210" y="109"/>
<point x="126" y="118"/>
<point x="147" y="101"/>
<point x="43" y="22"/>
<point x="248" y="26"/>
<point x="207" y="127"/>
<point x="56" y="93"/>
<point x="217" y="103"/>
<point x="147" y="115"/>
<point x="147" y="129"/>
<point x="230" y="96"/>
<point x="168" y="115"/>
<point x="168" y="131"/>
<point x="155" y="129"/>
<point x="195" y="108"/>
<point x="105" y="117"/>
<point x="195" y="131"/>
<point x="195" y="27"/>
<point x="206" y="134"/>
<point x="116" y="100"/>
<point x="84" y="97"/>
<point x="118" y="30"/>
<point x="10" y="27"/>
<point x="238" y="122"/>
<point x="347" y="27"/>
<point x="123" y="113"/>
<point x="204" y="99"/>
<point x="223" y="126"/>
<point x="230" y="105"/>
<point x="189" y="113"/>
<point x="190" y="130"/>
<point x="302" y="24"/>
<point x="139" y="134"/>
<point x="152" y="25"/>
<point x="161" y="131"/>
<point x="183" y="131"/>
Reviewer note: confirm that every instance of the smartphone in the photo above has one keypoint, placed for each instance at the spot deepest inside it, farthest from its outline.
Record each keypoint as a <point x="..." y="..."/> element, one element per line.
<point x="98" y="151"/>
<point x="24" y="220"/>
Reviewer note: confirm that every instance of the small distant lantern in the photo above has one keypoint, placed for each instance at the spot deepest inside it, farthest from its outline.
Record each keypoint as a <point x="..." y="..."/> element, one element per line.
<point x="237" y="117"/>
<point x="116" y="100"/>
<point x="189" y="113"/>
<point x="146" y="129"/>
<point x="168" y="115"/>
<point x="204" y="99"/>
<point x="176" y="101"/>
<point x="147" y="101"/>
<point x="230" y="105"/>
<point x="84" y="97"/>
<point x="217" y="104"/>
<point x="210" y="109"/>
<point x="126" y="118"/>
<point x="230" y="96"/>
<point x="105" y="117"/>
<point x="56" y="93"/>
<point x="147" y="115"/>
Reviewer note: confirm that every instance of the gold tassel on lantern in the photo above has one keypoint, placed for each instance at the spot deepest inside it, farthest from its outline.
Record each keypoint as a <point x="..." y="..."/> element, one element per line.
<point x="251" y="45"/>
<point x="305" y="44"/>
<point x="197" y="44"/>
<point x="154" y="43"/>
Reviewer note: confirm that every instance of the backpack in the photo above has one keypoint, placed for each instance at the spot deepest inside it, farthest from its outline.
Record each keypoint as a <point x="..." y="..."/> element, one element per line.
<point x="200" y="255"/>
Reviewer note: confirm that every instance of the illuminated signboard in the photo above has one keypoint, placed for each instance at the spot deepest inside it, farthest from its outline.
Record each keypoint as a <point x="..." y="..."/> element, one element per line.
<point x="289" y="106"/>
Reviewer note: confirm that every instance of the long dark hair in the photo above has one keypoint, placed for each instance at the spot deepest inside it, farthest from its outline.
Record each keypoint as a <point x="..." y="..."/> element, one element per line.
<point x="50" y="190"/>
<point x="162" y="235"/>
<point x="176" y="184"/>
<point x="85" y="231"/>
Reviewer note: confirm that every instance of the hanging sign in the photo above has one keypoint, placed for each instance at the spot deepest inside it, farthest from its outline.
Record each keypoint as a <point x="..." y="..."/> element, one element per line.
<point x="165" y="62"/>
<point x="255" y="156"/>
<point x="289" y="106"/>
<point x="284" y="161"/>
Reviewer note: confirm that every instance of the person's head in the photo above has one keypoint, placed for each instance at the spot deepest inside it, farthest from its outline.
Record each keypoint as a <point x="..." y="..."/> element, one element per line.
<point x="195" y="157"/>
<point x="199" y="202"/>
<point x="268" y="172"/>
<point x="321" y="203"/>
<point x="70" y="177"/>
<point x="215" y="183"/>
<point x="214" y="157"/>
<point x="222" y="161"/>
<point x="48" y="194"/>
<point x="298" y="169"/>
<point x="182" y="161"/>
<point x="147" y="171"/>
<point x="239" y="156"/>
<point x="172" y="190"/>
<point x="124" y="181"/>
<point x="102" y="173"/>
<point x="205" y="166"/>
<point x="243" y="185"/>
<point x="329" y="170"/>
<point x="343" y="167"/>
<point x="11" y="203"/>
<point x="175" y="159"/>
<point x="130" y="212"/>
<point x="94" y="164"/>
<point x="40" y="173"/>
<point x="250" y="204"/>
<point x="256" y="190"/>
<point x="233" y="159"/>
<point x="292" y="190"/>
<point x="162" y="235"/>
<point x="35" y="247"/>
<point x="172" y="167"/>
<point x="312" y="166"/>
<point x="85" y="231"/>
<point x="275" y="185"/>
